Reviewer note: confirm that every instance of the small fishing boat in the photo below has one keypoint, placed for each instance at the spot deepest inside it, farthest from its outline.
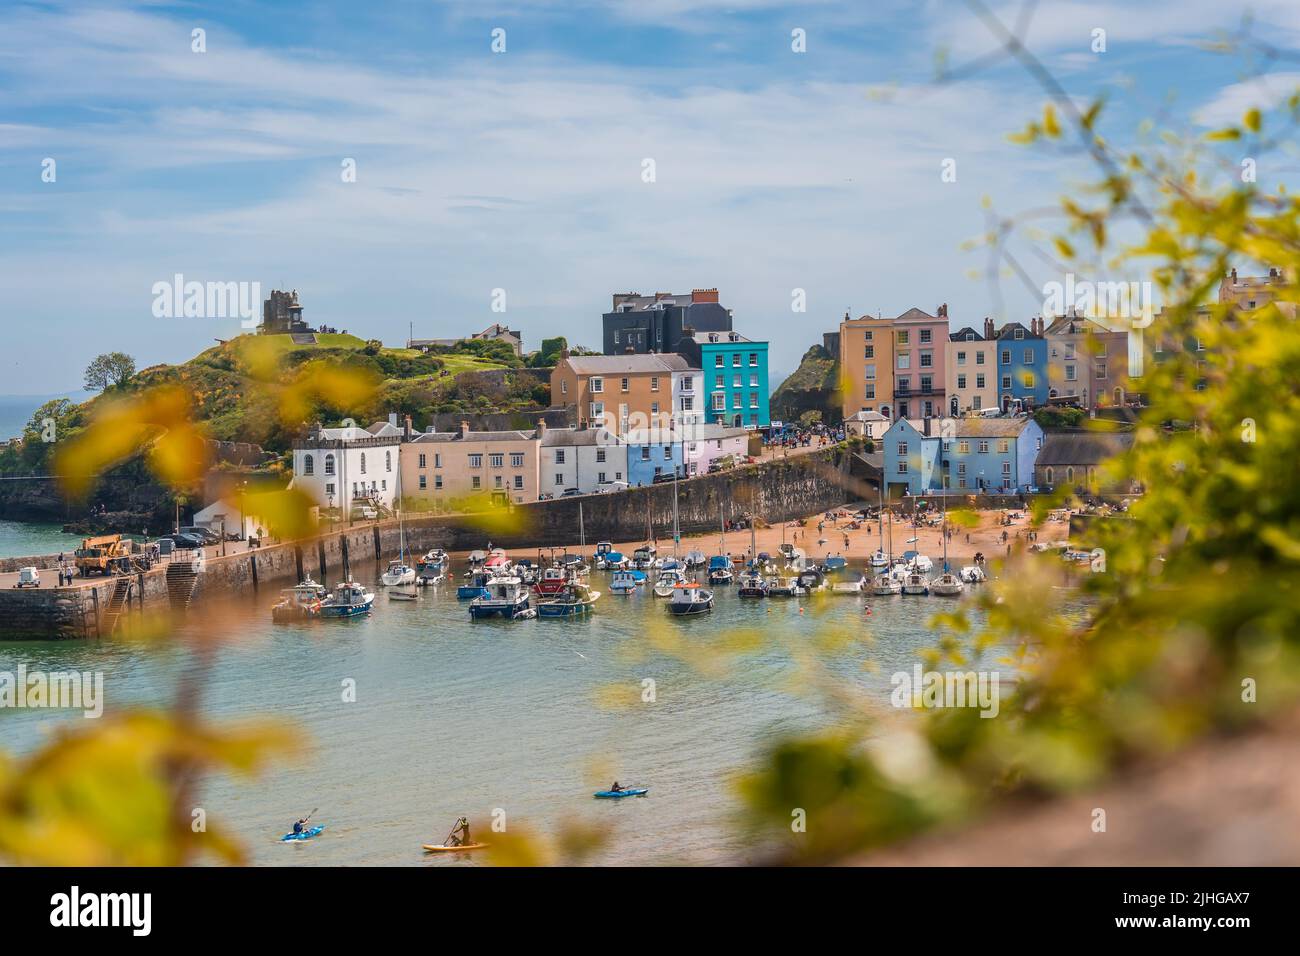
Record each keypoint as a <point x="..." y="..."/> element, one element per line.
<point x="602" y="549"/>
<point x="349" y="599"/>
<point x="751" y="585"/>
<point x="835" y="565"/>
<point x="475" y="559"/>
<point x="916" y="583"/>
<point x="879" y="560"/>
<point x="850" y="587"/>
<point x="972" y="574"/>
<point x="575" y="600"/>
<point x="430" y="574"/>
<point x="916" y="561"/>
<point x="619" y="794"/>
<point x="497" y="561"/>
<point x="475" y="587"/>
<point x="403" y="592"/>
<point x="668" y="580"/>
<point x="670" y="564"/>
<point x="574" y="567"/>
<point x="398" y="573"/>
<point x="796" y="560"/>
<point x="507" y="598"/>
<point x="720" y="569"/>
<point x="299" y="603"/>
<point x="695" y="560"/>
<point x="623" y="582"/>
<point x="436" y="559"/>
<point x="643" y="558"/>
<point x="885" y="583"/>
<point x="811" y="580"/>
<point x="553" y="581"/>
<point x="690" y="598"/>
<point x="785" y="587"/>
<point x="615" y="561"/>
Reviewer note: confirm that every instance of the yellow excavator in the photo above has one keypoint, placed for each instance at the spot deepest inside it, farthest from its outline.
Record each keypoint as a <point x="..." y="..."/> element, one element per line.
<point x="106" y="554"/>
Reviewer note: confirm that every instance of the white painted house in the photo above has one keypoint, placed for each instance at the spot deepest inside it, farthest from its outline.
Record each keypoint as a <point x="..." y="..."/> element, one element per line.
<point x="349" y="467"/>
<point x="704" y="444"/>
<point x="689" y="397"/>
<point x="582" y="458"/>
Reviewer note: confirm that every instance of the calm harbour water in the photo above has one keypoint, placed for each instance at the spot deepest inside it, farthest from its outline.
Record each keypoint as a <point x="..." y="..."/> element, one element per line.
<point x="21" y="539"/>
<point x="454" y="717"/>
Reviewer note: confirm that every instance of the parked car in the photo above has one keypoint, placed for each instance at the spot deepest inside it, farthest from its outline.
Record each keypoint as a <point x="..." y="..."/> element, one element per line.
<point x="570" y="493"/>
<point x="29" y="577"/>
<point x="609" y="486"/>
<point x="365" y="512"/>
<point x="206" y="535"/>
<point x="663" y="476"/>
<point x="185" y="541"/>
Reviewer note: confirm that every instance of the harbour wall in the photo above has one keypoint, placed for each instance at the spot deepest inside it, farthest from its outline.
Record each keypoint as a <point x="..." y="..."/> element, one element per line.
<point x="771" y="491"/>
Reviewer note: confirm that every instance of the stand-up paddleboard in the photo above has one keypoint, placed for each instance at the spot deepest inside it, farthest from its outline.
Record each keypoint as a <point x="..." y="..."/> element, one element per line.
<point x="438" y="848"/>
<point x="618" y="794"/>
<point x="304" y="835"/>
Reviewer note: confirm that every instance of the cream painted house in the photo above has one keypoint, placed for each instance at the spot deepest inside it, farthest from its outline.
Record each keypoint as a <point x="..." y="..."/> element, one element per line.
<point x="442" y="469"/>
<point x="972" y="372"/>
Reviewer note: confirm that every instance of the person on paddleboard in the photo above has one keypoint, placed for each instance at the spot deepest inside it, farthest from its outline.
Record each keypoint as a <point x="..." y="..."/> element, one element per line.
<point x="461" y="828"/>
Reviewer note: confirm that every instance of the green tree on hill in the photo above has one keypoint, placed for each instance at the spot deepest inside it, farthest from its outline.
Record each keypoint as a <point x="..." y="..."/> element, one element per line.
<point x="109" y="369"/>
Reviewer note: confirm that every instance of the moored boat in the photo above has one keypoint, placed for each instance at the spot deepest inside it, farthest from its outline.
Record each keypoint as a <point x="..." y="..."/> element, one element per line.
<point x="398" y="573"/>
<point x="299" y="603"/>
<point x="916" y="583"/>
<point x="972" y="574"/>
<point x="623" y="582"/>
<point x="668" y="580"/>
<point x="885" y="583"/>
<point x="785" y="587"/>
<point x="751" y="585"/>
<point x="476" y="586"/>
<point x="720" y="571"/>
<point x="552" y="581"/>
<point x="349" y="599"/>
<point x="576" y="599"/>
<point x="690" y="598"/>
<point x="507" y="598"/>
<point x="947" y="584"/>
<point x="850" y="587"/>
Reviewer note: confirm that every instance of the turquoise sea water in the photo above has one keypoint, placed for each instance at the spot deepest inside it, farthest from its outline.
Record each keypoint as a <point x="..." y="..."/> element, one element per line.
<point x="20" y="539"/>
<point x="453" y="717"/>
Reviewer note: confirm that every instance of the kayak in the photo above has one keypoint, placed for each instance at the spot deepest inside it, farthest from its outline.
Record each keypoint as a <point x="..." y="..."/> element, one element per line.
<point x="438" y="848"/>
<point x="304" y="835"/>
<point x="618" y="794"/>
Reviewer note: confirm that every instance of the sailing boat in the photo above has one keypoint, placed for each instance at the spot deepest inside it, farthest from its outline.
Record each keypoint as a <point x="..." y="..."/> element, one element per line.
<point x="878" y="560"/>
<point x="947" y="584"/>
<point x="885" y="582"/>
<point x="400" y="576"/>
<point x="720" y="571"/>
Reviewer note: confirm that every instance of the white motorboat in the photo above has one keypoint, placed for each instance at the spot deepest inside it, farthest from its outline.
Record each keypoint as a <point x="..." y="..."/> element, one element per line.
<point x="668" y="582"/>
<point x="507" y="597"/>
<point x="879" y="560"/>
<point x="972" y="574"/>
<point x="854" y="586"/>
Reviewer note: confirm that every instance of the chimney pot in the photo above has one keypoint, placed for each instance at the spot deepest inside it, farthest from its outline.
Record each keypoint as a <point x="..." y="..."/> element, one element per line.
<point x="464" y="429"/>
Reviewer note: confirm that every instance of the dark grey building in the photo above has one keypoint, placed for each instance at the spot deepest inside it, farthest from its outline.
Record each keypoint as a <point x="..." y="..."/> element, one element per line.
<point x="655" y="323"/>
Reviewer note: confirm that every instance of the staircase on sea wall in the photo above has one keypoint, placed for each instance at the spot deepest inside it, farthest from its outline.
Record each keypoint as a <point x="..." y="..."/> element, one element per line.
<point x="182" y="582"/>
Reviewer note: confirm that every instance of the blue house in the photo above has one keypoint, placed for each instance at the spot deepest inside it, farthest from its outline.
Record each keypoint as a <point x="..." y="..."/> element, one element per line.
<point x="652" y="452"/>
<point x="1022" y="365"/>
<point x="735" y="377"/>
<point x="912" y="454"/>
<point x="991" y="455"/>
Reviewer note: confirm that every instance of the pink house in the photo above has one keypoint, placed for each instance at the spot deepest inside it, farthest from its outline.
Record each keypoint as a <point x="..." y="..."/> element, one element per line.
<point x="920" y="354"/>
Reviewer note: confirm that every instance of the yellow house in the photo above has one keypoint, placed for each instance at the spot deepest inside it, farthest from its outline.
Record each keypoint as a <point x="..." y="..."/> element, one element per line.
<point x="440" y="469"/>
<point x="866" y="365"/>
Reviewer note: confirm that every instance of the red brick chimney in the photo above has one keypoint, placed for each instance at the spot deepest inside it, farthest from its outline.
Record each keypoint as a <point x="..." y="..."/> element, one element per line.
<point x="988" y="327"/>
<point x="464" y="430"/>
<point x="406" y="432"/>
<point x="943" y="311"/>
<point x="704" y="295"/>
<point x="541" y="427"/>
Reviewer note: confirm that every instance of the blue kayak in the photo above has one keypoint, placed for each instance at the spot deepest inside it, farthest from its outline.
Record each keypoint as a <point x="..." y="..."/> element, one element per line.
<point x="618" y="794"/>
<point x="304" y="835"/>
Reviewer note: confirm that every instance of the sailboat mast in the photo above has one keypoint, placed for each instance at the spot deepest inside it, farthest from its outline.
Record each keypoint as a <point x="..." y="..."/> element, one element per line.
<point x="677" y="533"/>
<point x="582" y="531"/>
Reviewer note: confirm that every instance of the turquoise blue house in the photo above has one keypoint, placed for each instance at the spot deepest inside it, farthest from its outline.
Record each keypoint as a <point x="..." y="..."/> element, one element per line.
<point x="1022" y="365"/>
<point x="991" y="455"/>
<point x="652" y="452"/>
<point x="912" y="457"/>
<point x="735" y="377"/>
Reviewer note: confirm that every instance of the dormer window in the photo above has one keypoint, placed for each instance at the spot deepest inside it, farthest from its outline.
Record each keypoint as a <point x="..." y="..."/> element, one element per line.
<point x="1019" y="333"/>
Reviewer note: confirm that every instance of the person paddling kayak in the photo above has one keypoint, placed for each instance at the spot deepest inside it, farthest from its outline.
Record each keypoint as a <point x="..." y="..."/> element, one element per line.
<point x="616" y="788"/>
<point x="299" y="825"/>
<point x="459" y="835"/>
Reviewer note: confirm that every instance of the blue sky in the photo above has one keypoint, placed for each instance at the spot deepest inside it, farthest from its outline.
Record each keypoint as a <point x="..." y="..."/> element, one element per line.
<point x="521" y="171"/>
